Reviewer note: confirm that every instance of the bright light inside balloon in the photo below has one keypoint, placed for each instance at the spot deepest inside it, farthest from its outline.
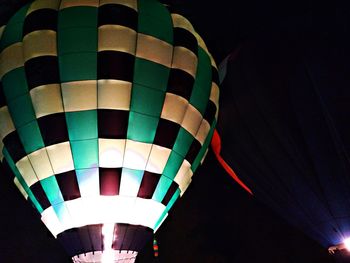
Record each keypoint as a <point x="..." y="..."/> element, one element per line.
<point x="108" y="253"/>
<point x="347" y="243"/>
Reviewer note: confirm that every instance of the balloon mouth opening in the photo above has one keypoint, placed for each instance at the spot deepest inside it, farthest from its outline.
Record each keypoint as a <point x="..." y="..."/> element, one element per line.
<point x="107" y="256"/>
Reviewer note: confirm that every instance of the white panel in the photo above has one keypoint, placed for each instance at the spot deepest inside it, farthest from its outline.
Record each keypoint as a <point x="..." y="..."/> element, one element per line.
<point x="114" y="94"/>
<point x="118" y="38"/>
<point x="51" y="221"/>
<point x="71" y="3"/>
<point x="20" y="188"/>
<point x="79" y="95"/>
<point x="63" y="216"/>
<point x="39" y="4"/>
<point x="34" y="46"/>
<point x="103" y="209"/>
<point x="174" y="108"/>
<point x="111" y="152"/>
<point x="7" y="125"/>
<point x="130" y="182"/>
<point x="25" y="168"/>
<point x="183" y="176"/>
<point x="11" y="58"/>
<point x="41" y="163"/>
<point x="147" y="213"/>
<point x="88" y="181"/>
<point x="130" y="3"/>
<point x="78" y="210"/>
<point x="154" y="49"/>
<point x="204" y="156"/>
<point x="47" y="99"/>
<point x="136" y="155"/>
<point x="158" y="159"/>
<point x="203" y="131"/>
<point x="60" y="156"/>
<point x="185" y="60"/>
<point x="192" y="120"/>
<point x="1" y="148"/>
<point x="2" y="30"/>
<point x="214" y="96"/>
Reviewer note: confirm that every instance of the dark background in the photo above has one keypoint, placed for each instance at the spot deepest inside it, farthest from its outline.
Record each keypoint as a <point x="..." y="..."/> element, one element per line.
<point x="215" y="221"/>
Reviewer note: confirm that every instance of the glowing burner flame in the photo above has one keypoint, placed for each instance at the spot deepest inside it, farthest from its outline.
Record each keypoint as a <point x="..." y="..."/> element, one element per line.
<point x="347" y="243"/>
<point x="108" y="253"/>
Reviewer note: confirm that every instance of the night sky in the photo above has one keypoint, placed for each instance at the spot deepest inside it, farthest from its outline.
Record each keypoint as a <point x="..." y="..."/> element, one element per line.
<point x="215" y="221"/>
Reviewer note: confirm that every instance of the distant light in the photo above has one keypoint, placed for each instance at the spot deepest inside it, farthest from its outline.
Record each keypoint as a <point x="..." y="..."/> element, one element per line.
<point x="347" y="243"/>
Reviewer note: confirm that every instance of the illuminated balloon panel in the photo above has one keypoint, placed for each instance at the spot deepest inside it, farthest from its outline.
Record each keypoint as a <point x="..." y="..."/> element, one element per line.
<point x="107" y="109"/>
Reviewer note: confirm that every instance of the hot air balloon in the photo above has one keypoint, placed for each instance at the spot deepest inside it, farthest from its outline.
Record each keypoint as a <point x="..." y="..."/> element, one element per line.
<point x="285" y="132"/>
<point x="107" y="109"/>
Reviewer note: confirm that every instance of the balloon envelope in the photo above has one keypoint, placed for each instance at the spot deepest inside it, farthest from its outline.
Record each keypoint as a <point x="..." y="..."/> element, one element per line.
<point x="106" y="110"/>
<point x="285" y="131"/>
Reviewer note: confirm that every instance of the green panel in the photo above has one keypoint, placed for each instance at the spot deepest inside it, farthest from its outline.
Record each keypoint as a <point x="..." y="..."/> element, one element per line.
<point x="15" y="83"/>
<point x="142" y="128"/>
<point x="77" y="39"/>
<point x="85" y="153"/>
<point x="160" y="220"/>
<point x="183" y="142"/>
<point x="202" y="85"/>
<point x="52" y="190"/>
<point x="82" y="125"/>
<point x="14" y="28"/>
<point x="62" y="212"/>
<point x="151" y="74"/>
<point x="80" y="16"/>
<point x="147" y="101"/>
<point x="21" y="110"/>
<point x="173" y="165"/>
<point x="21" y="181"/>
<point x="173" y="200"/>
<point x="205" y="146"/>
<point x="155" y="20"/>
<point x="78" y="66"/>
<point x="168" y="207"/>
<point x="162" y="188"/>
<point x="31" y="137"/>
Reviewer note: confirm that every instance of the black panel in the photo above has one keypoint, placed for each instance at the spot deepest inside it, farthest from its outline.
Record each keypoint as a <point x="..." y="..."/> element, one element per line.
<point x="2" y="96"/>
<point x="180" y="83"/>
<point x="148" y="185"/>
<point x="53" y="128"/>
<point x="71" y="242"/>
<point x="119" y="234"/>
<point x="68" y="184"/>
<point x="42" y="19"/>
<point x="95" y="232"/>
<point x="114" y="14"/>
<point x="85" y="240"/>
<point x="166" y="133"/>
<point x="215" y="75"/>
<point x="128" y="238"/>
<point x="115" y="65"/>
<point x="40" y="195"/>
<point x="171" y="191"/>
<point x="41" y="71"/>
<point x="210" y="111"/>
<point x="14" y="146"/>
<point x="110" y="181"/>
<point x="184" y="38"/>
<point x="112" y="124"/>
<point x="193" y="151"/>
